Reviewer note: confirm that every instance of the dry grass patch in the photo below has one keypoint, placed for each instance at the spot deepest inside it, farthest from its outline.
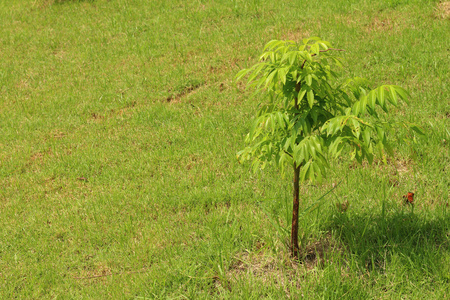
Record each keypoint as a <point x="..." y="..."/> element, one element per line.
<point x="443" y="10"/>
<point x="384" y="25"/>
<point x="264" y="267"/>
<point x="296" y="34"/>
<point x="280" y="269"/>
<point x="98" y="270"/>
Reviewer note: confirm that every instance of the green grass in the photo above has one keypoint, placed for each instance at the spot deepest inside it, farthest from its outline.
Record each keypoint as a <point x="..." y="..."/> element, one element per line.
<point x="119" y="127"/>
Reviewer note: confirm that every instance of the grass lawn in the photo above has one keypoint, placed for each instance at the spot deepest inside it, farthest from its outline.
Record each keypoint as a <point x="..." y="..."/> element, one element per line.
<point x="119" y="127"/>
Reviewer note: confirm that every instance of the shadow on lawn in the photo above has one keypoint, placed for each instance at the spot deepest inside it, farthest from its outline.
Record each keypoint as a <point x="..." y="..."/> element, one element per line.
<point x="374" y="240"/>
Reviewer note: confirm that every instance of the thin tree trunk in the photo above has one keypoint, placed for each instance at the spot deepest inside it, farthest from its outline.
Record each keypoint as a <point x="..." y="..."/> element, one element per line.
<point x="296" y="203"/>
<point x="294" y="230"/>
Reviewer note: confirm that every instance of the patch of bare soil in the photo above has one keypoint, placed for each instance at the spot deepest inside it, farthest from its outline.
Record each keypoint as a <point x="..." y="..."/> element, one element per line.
<point x="385" y="25"/>
<point x="280" y="269"/>
<point x="296" y="35"/>
<point x="443" y="10"/>
<point x="263" y="266"/>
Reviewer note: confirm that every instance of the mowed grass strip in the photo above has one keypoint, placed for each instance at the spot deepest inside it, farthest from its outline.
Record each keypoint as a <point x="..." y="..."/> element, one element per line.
<point x="119" y="127"/>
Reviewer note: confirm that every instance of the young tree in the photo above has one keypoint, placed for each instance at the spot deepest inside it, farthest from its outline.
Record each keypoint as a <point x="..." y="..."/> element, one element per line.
<point x="308" y="117"/>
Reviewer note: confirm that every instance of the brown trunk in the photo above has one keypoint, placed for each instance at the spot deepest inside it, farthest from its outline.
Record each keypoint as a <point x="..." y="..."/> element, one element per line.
<point x="294" y="230"/>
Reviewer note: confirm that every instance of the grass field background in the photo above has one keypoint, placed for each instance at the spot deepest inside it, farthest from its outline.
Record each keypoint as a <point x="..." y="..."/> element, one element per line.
<point x="119" y="127"/>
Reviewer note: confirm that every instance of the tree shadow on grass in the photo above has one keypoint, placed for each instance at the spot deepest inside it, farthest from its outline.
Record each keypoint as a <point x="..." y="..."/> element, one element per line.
<point x="403" y="238"/>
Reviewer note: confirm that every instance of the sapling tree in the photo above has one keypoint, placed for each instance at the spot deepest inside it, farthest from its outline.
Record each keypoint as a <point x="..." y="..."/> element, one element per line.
<point x="309" y="116"/>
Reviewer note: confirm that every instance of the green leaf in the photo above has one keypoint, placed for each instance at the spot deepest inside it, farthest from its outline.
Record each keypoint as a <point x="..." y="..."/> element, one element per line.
<point x="301" y="94"/>
<point x="318" y="172"/>
<point x="241" y="74"/>
<point x="294" y="74"/>
<point x="381" y="135"/>
<point x="393" y="96"/>
<point x="269" y="44"/>
<point x="256" y="165"/>
<point x="304" y="171"/>
<point x="287" y="143"/>
<point x="282" y="74"/>
<point x="366" y="137"/>
<point x="280" y="120"/>
<point x="402" y="92"/>
<point x="256" y="72"/>
<point x="306" y="127"/>
<point x="356" y="127"/>
<point x="265" y="55"/>
<point x="312" y="150"/>
<point x="324" y="46"/>
<point x="314" y="115"/>
<point x="258" y="84"/>
<point x="283" y="159"/>
<point x="300" y="153"/>
<point x="272" y="56"/>
<point x="356" y="108"/>
<point x="270" y="77"/>
<point x="336" y="146"/>
<point x="315" y="49"/>
<point x="371" y="99"/>
<point x="363" y="104"/>
<point x="273" y="44"/>
<point x="296" y="154"/>
<point x="380" y="97"/>
<point x="310" y="96"/>
<point x="292" y="57"/>
<point x="308" y="79"/>
<point x="333" y="126"/>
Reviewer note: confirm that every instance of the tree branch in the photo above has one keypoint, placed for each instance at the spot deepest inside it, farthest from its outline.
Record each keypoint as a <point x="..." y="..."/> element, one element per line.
<point x="288" y="153"/>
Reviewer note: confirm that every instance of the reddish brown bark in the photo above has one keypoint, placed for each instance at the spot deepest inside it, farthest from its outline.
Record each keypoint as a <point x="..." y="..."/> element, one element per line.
<point x="295" y="207"/>
<point x="296" y="203"/>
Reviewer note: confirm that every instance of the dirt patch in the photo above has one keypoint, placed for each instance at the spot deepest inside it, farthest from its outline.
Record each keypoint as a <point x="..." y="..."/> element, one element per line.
<point x="280" y="268"/>
<point x="443" y="10"/>
<point x="296" y="34"/>
<point x="96" y="117"/>
<point x="262" y="265"/>
<point x="57" y="134"/>
<point x="386" y="25"/>
<point x="404" y="167"/>
<point x="99" y="271"/>
<point x="37" y="156"/>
